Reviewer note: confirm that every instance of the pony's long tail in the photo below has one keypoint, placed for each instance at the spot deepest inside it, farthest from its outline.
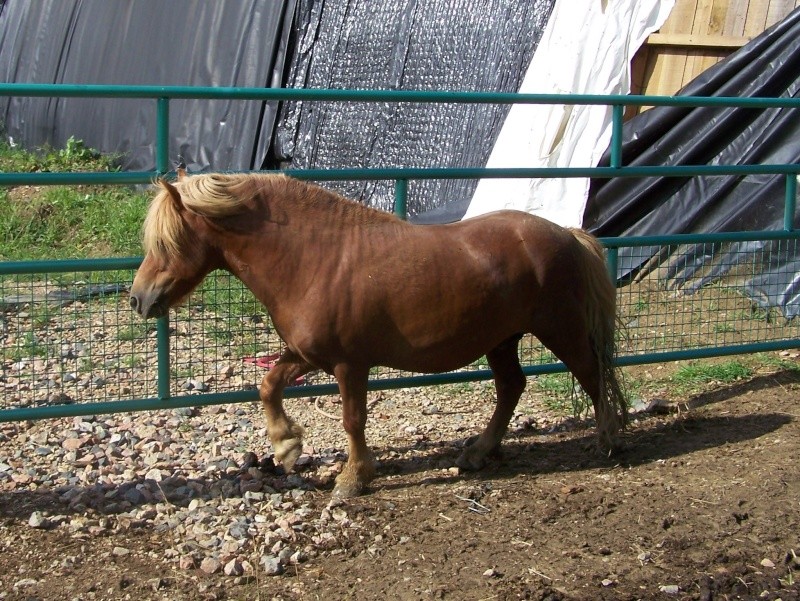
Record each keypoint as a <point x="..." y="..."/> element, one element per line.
<point x="611" y="407"/>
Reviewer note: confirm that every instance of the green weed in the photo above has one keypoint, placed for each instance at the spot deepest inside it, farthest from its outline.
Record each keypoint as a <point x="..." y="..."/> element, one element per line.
<point x="75" y="156"/>
<point x="61" y="222"/>
<point x="692" y="378"/>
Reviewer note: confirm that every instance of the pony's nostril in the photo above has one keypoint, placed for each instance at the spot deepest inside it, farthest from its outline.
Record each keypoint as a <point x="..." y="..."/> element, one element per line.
<point x="134" y="303"/>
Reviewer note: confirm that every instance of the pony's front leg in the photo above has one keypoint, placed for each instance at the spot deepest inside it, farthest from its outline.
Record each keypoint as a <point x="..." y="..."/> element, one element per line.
<point x="360" y="467"/>
<point x="286" y="436"/>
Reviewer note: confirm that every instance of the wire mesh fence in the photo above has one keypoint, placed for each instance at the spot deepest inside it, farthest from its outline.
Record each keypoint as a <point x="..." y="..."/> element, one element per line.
<point x="71" y="338"/>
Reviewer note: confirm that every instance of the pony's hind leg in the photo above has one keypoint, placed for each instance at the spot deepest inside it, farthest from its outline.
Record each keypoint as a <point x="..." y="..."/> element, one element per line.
<point x="571" y="342"/>
<point x="509" y="381"/>
<point x="286" y="436"/>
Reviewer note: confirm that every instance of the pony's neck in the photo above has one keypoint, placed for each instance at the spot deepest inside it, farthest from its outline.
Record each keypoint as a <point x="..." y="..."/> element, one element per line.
<point x="293" y="233"/>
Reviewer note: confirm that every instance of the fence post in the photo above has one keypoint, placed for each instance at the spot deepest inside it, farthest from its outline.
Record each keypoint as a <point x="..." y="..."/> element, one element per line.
<point x="612" y="259"/>
<point x="162" y="324"/>
<point x="162" y="136"/>
<point x="791" y="202"/>
<point x="401" y="198"/>
<point x="617" y="112"/>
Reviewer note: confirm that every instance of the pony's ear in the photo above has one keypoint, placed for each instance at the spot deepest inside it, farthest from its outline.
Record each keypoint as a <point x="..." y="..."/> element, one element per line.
<point x="173" y="193"/>
<point x="181" y="171"/>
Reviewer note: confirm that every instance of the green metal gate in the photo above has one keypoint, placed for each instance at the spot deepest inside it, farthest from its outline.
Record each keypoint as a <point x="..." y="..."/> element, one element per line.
<point x="71" y="346"/>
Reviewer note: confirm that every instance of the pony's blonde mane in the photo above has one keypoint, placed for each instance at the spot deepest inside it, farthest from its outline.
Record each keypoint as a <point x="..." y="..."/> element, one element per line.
<point x="217" y="195"/>
<point x="210" y="195"/>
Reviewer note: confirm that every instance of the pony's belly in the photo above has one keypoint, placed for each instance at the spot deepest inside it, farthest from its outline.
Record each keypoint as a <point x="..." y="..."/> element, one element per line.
<point x="438" y="360"/>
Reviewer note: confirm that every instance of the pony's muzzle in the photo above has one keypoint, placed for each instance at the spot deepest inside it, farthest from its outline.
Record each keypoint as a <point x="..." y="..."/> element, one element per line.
<point x="146" y="305"/>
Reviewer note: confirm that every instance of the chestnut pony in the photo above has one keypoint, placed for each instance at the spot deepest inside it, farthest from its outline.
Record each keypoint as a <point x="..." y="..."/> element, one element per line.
<point x="349" y="288"/>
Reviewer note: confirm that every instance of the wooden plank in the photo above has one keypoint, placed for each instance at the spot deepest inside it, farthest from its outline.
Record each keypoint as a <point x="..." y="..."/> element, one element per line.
<point x="696" y="59"/>
<point x="735" y="18"/>
<point x="700" y="33"/>
<point x="756" y="17"/>
<point x="670" y="63"/>
<point x="716" y="22"/>
<point x="681" y="17"/>
<point x="673" y="69"/>
<point x="697" y="41"/>
<point x="778" y="10"/>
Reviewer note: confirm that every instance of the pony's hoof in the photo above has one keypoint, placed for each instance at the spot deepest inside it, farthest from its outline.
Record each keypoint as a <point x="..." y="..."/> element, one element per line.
<point x="471" y="460"/>
<point x="288" y="451"/>
<point x="347" y="489"/>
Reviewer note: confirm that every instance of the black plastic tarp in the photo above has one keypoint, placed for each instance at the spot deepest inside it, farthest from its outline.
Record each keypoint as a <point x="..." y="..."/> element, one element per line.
<point x="769" y="66"/>
<point x="412" y="45"/>
<point x="146" y="42"/>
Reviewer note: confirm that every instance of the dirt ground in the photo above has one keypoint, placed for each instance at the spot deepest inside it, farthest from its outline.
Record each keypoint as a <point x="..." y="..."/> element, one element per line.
<point x="702" y="503"/>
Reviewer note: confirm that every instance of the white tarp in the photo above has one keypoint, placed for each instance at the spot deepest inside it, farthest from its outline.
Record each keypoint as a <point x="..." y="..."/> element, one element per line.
<point x="587" y="48"/>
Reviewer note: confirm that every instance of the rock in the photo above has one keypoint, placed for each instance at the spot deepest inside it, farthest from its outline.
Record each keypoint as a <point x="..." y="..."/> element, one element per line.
<point x="234" y="568"/>
<point x="249" y="460"/>
<point x="669" y="589"/>
<point x="272" y="565"/>
<point x="120" y="551"/>
<point x="154" y="474"/>
<point x="39" y="521"/>
<point x="73" y="444"/>
<point x="767" y="563"/>
<point x="210" y="565"/>
<point x="187" y="562"/>
<point x="134" y="496"/>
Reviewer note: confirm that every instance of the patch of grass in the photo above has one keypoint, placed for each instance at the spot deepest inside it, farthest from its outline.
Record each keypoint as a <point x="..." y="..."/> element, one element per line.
<point x="561" y="393"/>
<point x="71" y="223"/>
<point x="28" y="347"/>
<point x="776" y="362"/>
<point x="67" y="222"/>
<point x="75" y="156"/>
<point x="133" y="361"/>
<point x="135" y="332"/>
<point x="693" y="378"/>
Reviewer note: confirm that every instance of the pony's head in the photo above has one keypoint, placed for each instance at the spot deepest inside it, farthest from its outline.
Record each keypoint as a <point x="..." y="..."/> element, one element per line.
<point x="177" y="256"/>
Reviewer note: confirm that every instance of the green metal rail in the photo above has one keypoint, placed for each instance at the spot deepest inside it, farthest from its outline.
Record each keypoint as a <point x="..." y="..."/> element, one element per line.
<point x="161" y="97"/>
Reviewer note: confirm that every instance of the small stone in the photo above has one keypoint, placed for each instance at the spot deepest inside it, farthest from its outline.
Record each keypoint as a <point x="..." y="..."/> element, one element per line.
<point x="38" y="520"/>
<point x="491" y="573"/>
<point x="767" y="563"/>
<point x="187" y="562"/>
<point x="249" y="460"/>
<point x="134" y="496"/>
<point x="73" y="444"/>
<point x="120" y="551"/>
<point x="154" y="474"/>
<point x="158" y="584"/>
<point x="210" y="565"/>
<point x="607" y="582"/>
<point x="669" y="589"/>
<point x="272" y="565"/>
<point x="233" y="568"/>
